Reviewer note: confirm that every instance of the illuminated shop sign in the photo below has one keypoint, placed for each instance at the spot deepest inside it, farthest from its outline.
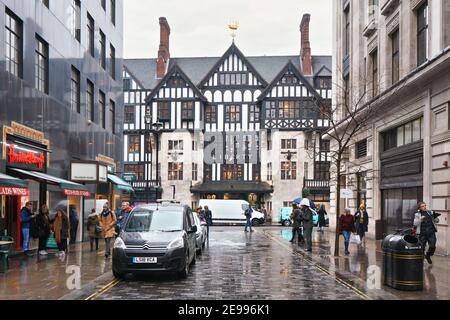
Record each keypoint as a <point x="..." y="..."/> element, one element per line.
<point x="24" y="157"/>
<point x="78" y="193"/>
<point x="11" y="191"/>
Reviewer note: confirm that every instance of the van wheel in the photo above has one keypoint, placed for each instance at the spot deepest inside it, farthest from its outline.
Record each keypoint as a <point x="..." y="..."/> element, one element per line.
<point x="256" y="223"/>
<point x="286" y="223"/>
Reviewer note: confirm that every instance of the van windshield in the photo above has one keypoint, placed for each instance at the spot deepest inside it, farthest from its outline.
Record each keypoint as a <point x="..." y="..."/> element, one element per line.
<point x="149" y="220"/>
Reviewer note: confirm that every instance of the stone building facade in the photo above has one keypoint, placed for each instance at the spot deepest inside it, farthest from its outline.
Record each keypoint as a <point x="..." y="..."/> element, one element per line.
<point x="395" y="56"/>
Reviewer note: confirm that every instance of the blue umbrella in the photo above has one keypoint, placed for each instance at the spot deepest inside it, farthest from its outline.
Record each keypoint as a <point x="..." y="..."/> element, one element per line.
<point x="299" y="200"/>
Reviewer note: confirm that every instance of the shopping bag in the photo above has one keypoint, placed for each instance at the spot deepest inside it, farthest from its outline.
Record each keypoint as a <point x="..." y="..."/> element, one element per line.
<point x="51" y="242"/>
<point x="355" y="239"/>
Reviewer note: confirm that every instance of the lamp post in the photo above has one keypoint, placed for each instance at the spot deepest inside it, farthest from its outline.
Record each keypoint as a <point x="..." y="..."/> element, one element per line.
<point x="157" y="129"/>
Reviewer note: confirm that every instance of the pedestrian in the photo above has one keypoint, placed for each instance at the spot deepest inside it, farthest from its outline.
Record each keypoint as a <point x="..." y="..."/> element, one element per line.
<point x="362" y="222"/>
<point x="107" y="223"/>
<point x="308" y="223"/>
<point x="322" y="221"/>
<point x="43" y="224"/>
<point x="122" y="216"/>
<point x="296" y="220"/>
<point x="61" y="228"/>
<point x="94" y="230"/>
<point x="248" y="216"/>
<point x="74" y="220"/>
<point x="208" y="216"/>
<point x="347" y="227"/>
<point x="26" y="216"/>
<point x="425" y="226"/>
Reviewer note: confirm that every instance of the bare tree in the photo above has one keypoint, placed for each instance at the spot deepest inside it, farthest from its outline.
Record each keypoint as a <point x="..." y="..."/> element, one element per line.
<point x="352" y="112"/>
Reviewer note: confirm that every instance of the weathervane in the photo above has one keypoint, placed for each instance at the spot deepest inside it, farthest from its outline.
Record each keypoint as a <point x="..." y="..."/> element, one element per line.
<point x="233" y="27"/>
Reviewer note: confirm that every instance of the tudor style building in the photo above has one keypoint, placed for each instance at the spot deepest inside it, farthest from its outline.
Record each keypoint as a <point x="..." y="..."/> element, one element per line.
<point x="232" y="127"/>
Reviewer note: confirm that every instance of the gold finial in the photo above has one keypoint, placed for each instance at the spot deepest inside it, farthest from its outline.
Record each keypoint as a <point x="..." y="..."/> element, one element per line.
<point x="233" y="27"/>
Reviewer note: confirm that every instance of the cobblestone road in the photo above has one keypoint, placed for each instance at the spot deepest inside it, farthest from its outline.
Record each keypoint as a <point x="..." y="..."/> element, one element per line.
<point x="236" y="265"/>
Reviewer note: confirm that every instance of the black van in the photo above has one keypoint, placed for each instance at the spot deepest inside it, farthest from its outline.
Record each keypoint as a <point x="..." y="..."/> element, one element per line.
<point x="159" y="238"/>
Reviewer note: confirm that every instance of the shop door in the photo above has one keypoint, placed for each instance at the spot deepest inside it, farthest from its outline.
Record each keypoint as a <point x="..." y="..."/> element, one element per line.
<point x="399" y="207"/>
<point x="11" y="212"/>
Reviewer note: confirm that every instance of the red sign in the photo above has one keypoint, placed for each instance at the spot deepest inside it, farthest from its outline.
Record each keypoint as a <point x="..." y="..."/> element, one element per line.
<point x="78" y="193"/>
<point x="25" y="157"/>
<point x="11" y="191"/>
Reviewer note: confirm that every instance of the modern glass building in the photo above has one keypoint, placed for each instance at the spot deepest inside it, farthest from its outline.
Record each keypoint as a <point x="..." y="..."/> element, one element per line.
<point x="61" y="102"/>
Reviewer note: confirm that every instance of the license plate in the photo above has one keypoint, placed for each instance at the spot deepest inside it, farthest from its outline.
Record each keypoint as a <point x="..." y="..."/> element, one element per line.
<point x="145" y="260"/>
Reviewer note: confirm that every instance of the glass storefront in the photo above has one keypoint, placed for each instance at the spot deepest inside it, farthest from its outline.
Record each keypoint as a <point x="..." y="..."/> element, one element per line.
<point x="399" y="207"/>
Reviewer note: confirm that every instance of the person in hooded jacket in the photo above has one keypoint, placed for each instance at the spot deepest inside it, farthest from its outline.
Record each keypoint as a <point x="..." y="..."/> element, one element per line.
<point x="93" y="225"/>
<point x="308" y="223"/>
<point x="108" y="223"/>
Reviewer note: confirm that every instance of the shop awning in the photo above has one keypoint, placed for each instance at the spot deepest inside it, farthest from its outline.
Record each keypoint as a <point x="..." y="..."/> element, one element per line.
<point x="120" y="183"/>
<point x="13" y="186"/>
<point x="70" y="188"/>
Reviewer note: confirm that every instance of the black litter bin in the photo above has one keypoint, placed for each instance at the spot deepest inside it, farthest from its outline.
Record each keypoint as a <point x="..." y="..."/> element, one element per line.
<point x="403" y="262"/>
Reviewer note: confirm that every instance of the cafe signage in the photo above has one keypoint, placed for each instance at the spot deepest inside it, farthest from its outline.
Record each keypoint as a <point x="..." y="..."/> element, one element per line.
<point x="25" y="157"/>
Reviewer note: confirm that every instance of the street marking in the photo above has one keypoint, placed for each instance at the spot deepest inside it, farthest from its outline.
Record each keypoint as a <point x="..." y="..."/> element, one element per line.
<point x="304" y="256"/>
<point x="106" y="288"/>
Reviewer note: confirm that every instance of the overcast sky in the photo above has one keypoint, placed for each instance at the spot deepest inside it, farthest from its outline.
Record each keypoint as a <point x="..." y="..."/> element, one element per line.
<point x="199" y="27"/>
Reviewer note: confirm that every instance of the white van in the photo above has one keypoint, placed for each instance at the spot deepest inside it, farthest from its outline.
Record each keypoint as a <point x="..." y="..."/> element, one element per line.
<point x="231" y="211"/>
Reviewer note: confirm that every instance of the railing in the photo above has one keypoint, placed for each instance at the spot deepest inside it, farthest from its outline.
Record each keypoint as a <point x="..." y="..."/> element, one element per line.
<point x="317" y="184"/>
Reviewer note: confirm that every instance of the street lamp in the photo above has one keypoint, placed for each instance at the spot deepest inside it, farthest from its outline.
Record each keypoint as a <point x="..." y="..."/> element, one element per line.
<point x="157" y="126"/>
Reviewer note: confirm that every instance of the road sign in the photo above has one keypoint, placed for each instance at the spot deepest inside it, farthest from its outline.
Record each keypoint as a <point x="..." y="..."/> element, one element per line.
<point x="346" y="193"/>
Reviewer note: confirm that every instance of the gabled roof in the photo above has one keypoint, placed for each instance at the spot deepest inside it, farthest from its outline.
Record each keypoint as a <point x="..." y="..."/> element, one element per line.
<point x="196" y="68"/>
<point x="290" y="67"/>
<point x="232" y="50"/>
<point x="138" y="81"/>
<point x="143" y="70"/>
<point x="323" y="72"/>
<point x="175" y="68"/>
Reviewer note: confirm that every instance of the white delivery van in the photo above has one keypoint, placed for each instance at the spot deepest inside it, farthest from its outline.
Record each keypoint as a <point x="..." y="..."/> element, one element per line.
<point x="231" y="211"/>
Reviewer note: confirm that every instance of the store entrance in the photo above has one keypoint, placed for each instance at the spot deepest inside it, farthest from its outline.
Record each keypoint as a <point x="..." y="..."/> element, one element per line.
<point x="11" y="212"/>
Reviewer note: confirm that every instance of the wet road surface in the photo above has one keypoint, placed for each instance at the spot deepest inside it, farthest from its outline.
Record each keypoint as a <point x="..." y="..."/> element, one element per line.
<point x="235" y="265"/>
<point x="238" y="265"/>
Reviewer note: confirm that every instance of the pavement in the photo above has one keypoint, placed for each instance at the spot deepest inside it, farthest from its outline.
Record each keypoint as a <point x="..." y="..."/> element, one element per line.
<point x="262" y="265"/>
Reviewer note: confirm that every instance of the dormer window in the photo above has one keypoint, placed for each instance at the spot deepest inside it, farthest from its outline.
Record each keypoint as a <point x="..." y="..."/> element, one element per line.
<point x="323" y="83"/>
<point x="176" y="81"/>
<point x="289" y="79"/>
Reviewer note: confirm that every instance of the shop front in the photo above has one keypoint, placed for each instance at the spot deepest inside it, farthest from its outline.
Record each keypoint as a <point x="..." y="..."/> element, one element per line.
<point x="25" y="155"/>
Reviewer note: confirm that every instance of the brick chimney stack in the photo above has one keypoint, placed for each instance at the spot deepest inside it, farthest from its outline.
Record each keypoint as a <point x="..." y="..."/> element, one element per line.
<point x="164" y="48"/>
<point x="305" y="53"/>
